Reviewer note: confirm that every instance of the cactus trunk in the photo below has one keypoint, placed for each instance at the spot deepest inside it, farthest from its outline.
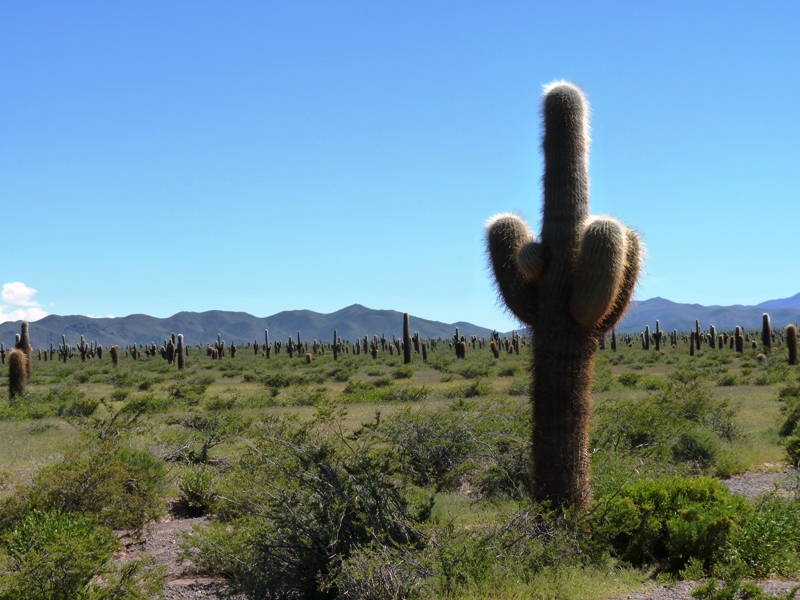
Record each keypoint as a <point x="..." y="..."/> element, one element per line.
<point x="563" y="364"/>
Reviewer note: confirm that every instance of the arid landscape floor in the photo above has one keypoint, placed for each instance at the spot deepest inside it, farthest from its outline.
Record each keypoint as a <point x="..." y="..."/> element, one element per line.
<point x="163" y="541"/>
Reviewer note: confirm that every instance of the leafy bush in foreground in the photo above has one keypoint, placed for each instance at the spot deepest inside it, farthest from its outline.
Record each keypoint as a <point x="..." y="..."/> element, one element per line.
<point x="313" y="496"/>
<point x="121" y="487"/>
<point x="51" y="555"/>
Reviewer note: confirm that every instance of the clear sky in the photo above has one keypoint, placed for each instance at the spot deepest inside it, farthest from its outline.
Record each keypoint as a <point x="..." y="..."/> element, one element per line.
<point x="267" y="156"/>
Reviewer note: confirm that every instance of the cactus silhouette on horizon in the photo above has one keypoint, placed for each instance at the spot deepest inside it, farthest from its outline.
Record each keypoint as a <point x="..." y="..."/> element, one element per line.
<point x="569" y="287"/>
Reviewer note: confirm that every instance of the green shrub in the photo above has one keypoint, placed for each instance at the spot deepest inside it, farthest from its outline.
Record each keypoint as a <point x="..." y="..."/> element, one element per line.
<point x="119" y="486"/>
<point x="51" y="555"/>
<point x="196" y="487"/>
<point x="510" y="370"/>
<point x="75" y="403"/>
<point x="313" y="496"/>
<point x="793" y="450"/>
<point x="697" y="446"/>
<point x="403" y="372"/>
<point x="474" y="371"/>
<point x="728" y="379"/>
<point x="672" y="520"/>
<point x="377" y="572"/>
<point x="629" y="379"/>
<point x="519" y="387"/>
<point x="766" y="543"/>
<point x="428" y="447"/>
<point x="472" y="390"/>
<point x="441" y="361"/>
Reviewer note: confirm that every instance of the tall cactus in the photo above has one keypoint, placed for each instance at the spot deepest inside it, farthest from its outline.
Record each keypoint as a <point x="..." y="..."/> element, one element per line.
<point x="791" y="343"/>
<point x="569" y="287"/>
<point x="406" y="339"/>
<point x="766" y="332"/>
<point x="17" y="373"/>
<point x="25" y="346"/>
<point x="181" y="353"/>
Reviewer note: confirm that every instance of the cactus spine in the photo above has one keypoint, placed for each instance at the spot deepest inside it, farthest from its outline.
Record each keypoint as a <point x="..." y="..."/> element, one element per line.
<point x="570" y="288"/>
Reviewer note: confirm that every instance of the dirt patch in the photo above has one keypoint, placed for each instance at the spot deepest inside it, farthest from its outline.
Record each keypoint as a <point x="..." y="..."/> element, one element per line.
<point x="163" y="542"/>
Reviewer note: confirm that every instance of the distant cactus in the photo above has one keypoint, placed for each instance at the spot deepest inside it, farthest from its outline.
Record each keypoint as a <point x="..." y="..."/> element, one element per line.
<point x="570" y="288"/>
<point x="658" y="336"/>
<point x="335" y="345"/>
<point x="17" y="373"/>
<point x="25" y="346"/>
<point x="766" y="332"/>
<point x="181" y="352"/>
<point x="791" y="343"/>
<point x="308" y="359"/>
<point x="114" y="352"/>
<point x="170" y="351"/>
<point x="698" y="339"/>
<point x="406" y="340"/>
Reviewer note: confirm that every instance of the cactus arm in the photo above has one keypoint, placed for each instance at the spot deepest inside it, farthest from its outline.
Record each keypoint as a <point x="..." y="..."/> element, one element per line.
<point x="633" y="263"/>
<point x="598" y="271"/>
<point x="531" y="260"/>
<point x="506" y="234"/>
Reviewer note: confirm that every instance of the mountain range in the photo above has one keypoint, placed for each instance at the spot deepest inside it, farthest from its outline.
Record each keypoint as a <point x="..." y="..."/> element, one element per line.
<point x="673" y="315"/>
<point x="351" y="323"/>
<point x="356" y="321"/>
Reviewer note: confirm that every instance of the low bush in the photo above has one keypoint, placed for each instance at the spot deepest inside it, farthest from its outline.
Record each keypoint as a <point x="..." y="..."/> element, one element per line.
<point x="313" y="496"/>
<point x="428" y="446"/>
<point x="197" y="491"/>
<point x="121" y="487"/>
<point x="53" y="555"/>
<point x="671" y="521"/>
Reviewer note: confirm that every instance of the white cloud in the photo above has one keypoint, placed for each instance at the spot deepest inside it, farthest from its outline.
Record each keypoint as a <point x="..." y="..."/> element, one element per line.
<point x="21" y="314"/>
<point x="18" y="294"/>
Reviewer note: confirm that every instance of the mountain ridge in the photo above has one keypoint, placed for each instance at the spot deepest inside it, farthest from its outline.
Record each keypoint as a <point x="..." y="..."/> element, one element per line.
<point x="356" y="321"/>
<point x="351" y="323"/>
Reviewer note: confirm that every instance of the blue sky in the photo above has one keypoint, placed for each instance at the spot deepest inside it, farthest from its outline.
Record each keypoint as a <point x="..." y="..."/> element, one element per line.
<point x="266" y="156"/>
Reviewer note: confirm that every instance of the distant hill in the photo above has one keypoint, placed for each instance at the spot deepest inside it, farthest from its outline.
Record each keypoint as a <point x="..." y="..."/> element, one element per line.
<point x="672" y="315"/>
<point x="356" y="321"/>
<point x="352" y="323"/>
